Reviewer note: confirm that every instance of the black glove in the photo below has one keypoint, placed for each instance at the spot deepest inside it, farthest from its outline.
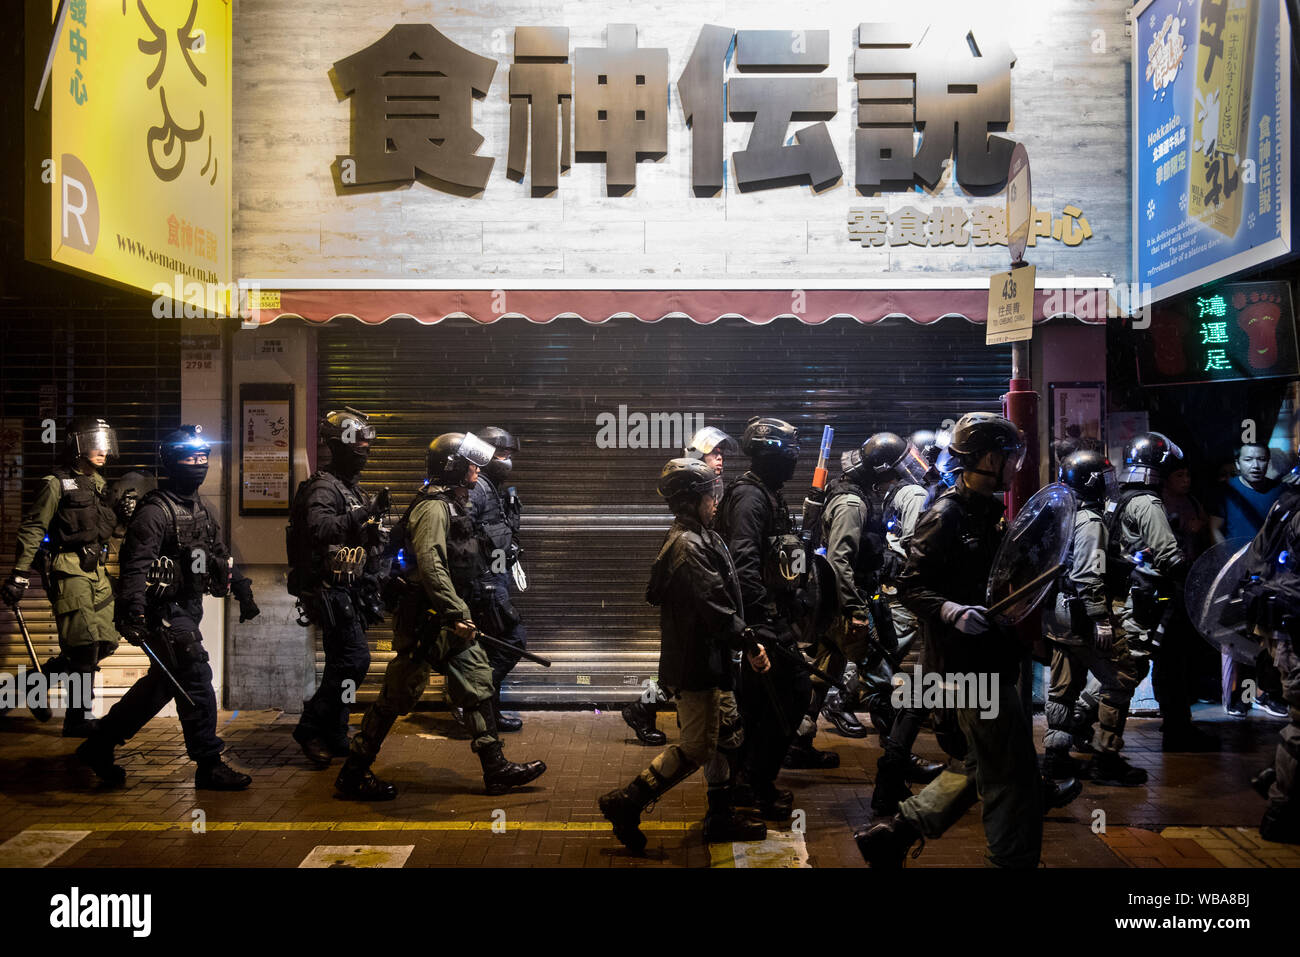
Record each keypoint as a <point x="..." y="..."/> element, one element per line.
<point x="12" y="591"/>
<point x="125" y="507"/>
<point x="243" y="592"/>
<point x="132" y="627"/>
<point x="380" y="507"/>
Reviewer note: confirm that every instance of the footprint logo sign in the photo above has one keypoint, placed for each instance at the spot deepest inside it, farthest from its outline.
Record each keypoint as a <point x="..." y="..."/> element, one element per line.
<point x="1258" y="314"/>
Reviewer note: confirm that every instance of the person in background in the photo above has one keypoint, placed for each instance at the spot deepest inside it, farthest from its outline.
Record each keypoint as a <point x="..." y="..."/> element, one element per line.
<point x="1239" y="513"/>
<point x="1191" y="524"/>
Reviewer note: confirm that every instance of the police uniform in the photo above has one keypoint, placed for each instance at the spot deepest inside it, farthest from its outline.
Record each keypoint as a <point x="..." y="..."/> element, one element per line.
<point x="497" y="513"/>
<point x="447" y="553"/>
<point x="949" y="560"/>
<point x="1081" y="607"/>
<point x="331" y="574"/>
<point x="752" y="519"/>
<point x="71" y="508"/>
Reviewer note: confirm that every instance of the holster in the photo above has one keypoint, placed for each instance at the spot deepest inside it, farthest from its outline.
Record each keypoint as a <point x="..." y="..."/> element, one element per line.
<point x="1148" y="605"/>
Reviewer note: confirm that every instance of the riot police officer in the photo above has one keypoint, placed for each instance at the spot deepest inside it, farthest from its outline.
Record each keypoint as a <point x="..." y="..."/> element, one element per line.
<point x="944" y="583"/>
<point x="755" y="523"/>
<point x="1145" y="568"/>
<point x="173" y="556"/>
<point x="1272" y="595"/>
<point x="72" y="510"/>
<point x="432" y="626"/>
<point x="712" y="446"/>
<point x="1082" y="636"/>
<point x="494" y="506"/>
<point x="694" y="584"/>
<point x="333" y="537"/>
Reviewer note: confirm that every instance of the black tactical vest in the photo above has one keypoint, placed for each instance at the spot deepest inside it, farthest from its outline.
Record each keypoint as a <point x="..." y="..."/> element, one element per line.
<point x="83" y="517"/>
<point x="191" y="543"/>
<point x="308" y="565"/>
<point x="786" y="566"/>
<point x="467" y="547"/>
<point x="493" y="520"/>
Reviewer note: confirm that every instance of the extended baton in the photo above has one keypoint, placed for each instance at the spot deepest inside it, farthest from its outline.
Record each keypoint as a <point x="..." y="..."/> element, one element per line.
<point x="1023" y="590"/>
<point x="171" y="677"/>
<point x="41" y="714"/>
<point x="513" y="649"/>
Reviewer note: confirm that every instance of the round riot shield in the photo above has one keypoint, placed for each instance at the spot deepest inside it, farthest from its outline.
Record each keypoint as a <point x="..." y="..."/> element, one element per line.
<point x="1214" y="602"/>
<point x="1039" y="539"/>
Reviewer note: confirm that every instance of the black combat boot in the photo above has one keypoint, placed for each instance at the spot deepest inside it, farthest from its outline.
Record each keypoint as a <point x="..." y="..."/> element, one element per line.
<point x="774" y="803"/>
<point x="923" y="771"/>
<point x="886" y="844"/>
<point x="724" y="824"/>
<point x="97" y="753"/>
<point x="216" y="775"/>
<point x="1109" y="767"/>
<point x="500" y="775"/>
<point x="622" y="808"/>
<point x="1262" y="781"/>
<point x="314" y="747"/>
<point x="357" y="783"/>
<point x="802" y="755"/>
<point x="891" y="784"/>
<point x="844" y="720"/>
<point x="883" y="713"/>
<point x="640" y="717"/>
<point x="1057" y="794"/>
<point x="1280" y="827"/>
<point x="1059" y="764"/>
<point x="506" y="720"/>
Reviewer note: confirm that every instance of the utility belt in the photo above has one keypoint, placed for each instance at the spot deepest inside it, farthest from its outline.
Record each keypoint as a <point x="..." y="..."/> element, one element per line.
<point x="89" y="558"/>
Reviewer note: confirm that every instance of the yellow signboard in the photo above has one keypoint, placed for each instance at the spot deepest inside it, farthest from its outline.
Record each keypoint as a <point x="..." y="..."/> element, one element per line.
<point x="135" y="161"/>
<point x="1011" y="306"/>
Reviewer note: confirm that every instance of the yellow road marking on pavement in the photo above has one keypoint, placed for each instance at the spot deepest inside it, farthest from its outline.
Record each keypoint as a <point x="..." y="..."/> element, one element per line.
<point x="487" y="825"/>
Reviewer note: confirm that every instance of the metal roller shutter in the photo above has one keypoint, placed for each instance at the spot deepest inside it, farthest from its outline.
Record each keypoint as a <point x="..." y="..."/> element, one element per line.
<point x="124" y="366"/>
<point x="592" y="521"/>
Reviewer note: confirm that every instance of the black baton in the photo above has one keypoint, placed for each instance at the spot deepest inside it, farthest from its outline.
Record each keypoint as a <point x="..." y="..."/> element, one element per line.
<point x="170" y="677"/>
<point x="41" y="714"/>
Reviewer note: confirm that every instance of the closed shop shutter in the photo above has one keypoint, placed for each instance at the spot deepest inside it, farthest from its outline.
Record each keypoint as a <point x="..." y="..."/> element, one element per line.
<point x="592" y="521"/>
<point x="123" y="366"/>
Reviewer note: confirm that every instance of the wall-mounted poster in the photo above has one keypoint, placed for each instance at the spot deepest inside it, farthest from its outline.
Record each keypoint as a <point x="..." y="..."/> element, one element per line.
<point x="1211" y="139"/>
<point x="1076" y="410"/>
<point x="265" y="449"/>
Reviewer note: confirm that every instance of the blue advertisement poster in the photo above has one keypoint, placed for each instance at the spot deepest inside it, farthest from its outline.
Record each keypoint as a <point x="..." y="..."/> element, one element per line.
<point x="1211" y="139"/>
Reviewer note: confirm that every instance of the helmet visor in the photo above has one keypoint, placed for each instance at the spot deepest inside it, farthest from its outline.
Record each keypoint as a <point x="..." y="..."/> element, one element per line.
<point x="912" y="467"/>
<point x="711" y="439"/>
<point x="100" y="439"/>
<point x="475" y="450"/>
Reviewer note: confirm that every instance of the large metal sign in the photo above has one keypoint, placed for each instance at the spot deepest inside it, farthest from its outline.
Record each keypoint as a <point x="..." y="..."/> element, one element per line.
<point x="129" y="143"/>
<point x="413" y="90"/>
<point x="1211" y="139"/>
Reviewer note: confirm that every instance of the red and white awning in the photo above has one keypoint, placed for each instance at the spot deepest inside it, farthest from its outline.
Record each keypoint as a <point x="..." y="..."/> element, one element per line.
<point x="320" y="301"/>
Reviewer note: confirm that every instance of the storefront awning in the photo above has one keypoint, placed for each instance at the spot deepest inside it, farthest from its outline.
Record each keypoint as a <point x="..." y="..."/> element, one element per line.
<point x="320" y="301"/>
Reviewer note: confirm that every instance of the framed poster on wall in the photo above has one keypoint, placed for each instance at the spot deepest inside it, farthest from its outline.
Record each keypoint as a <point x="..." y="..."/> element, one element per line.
<point x="265" y="448"/>
<point x="1076" y="409"/>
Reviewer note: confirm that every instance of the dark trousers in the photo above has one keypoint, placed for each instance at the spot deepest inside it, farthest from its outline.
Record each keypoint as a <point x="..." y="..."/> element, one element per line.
<point x="183" y="652"/>
<point x="347" y="659"/>
<point x="500" y="620"/>
<point x="771" y="706"/>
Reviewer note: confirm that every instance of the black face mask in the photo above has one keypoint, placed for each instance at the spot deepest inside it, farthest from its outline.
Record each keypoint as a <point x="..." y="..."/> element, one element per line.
<point x="186" y="479"/>
<point x="498" y="470"/>
<point x="775" y="470"/>
<point x="348" y="458"/>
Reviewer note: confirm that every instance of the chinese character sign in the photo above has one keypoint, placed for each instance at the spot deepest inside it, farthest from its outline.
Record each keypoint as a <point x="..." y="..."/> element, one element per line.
<point x="1240" y="330"/>
<point x="140" y="153"/>
<point x="1211" y="163"/>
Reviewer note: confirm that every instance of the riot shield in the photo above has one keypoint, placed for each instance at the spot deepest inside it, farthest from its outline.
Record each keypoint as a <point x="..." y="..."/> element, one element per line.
<point x="1039" y="538"/>
<point x="1214" y="601"/>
